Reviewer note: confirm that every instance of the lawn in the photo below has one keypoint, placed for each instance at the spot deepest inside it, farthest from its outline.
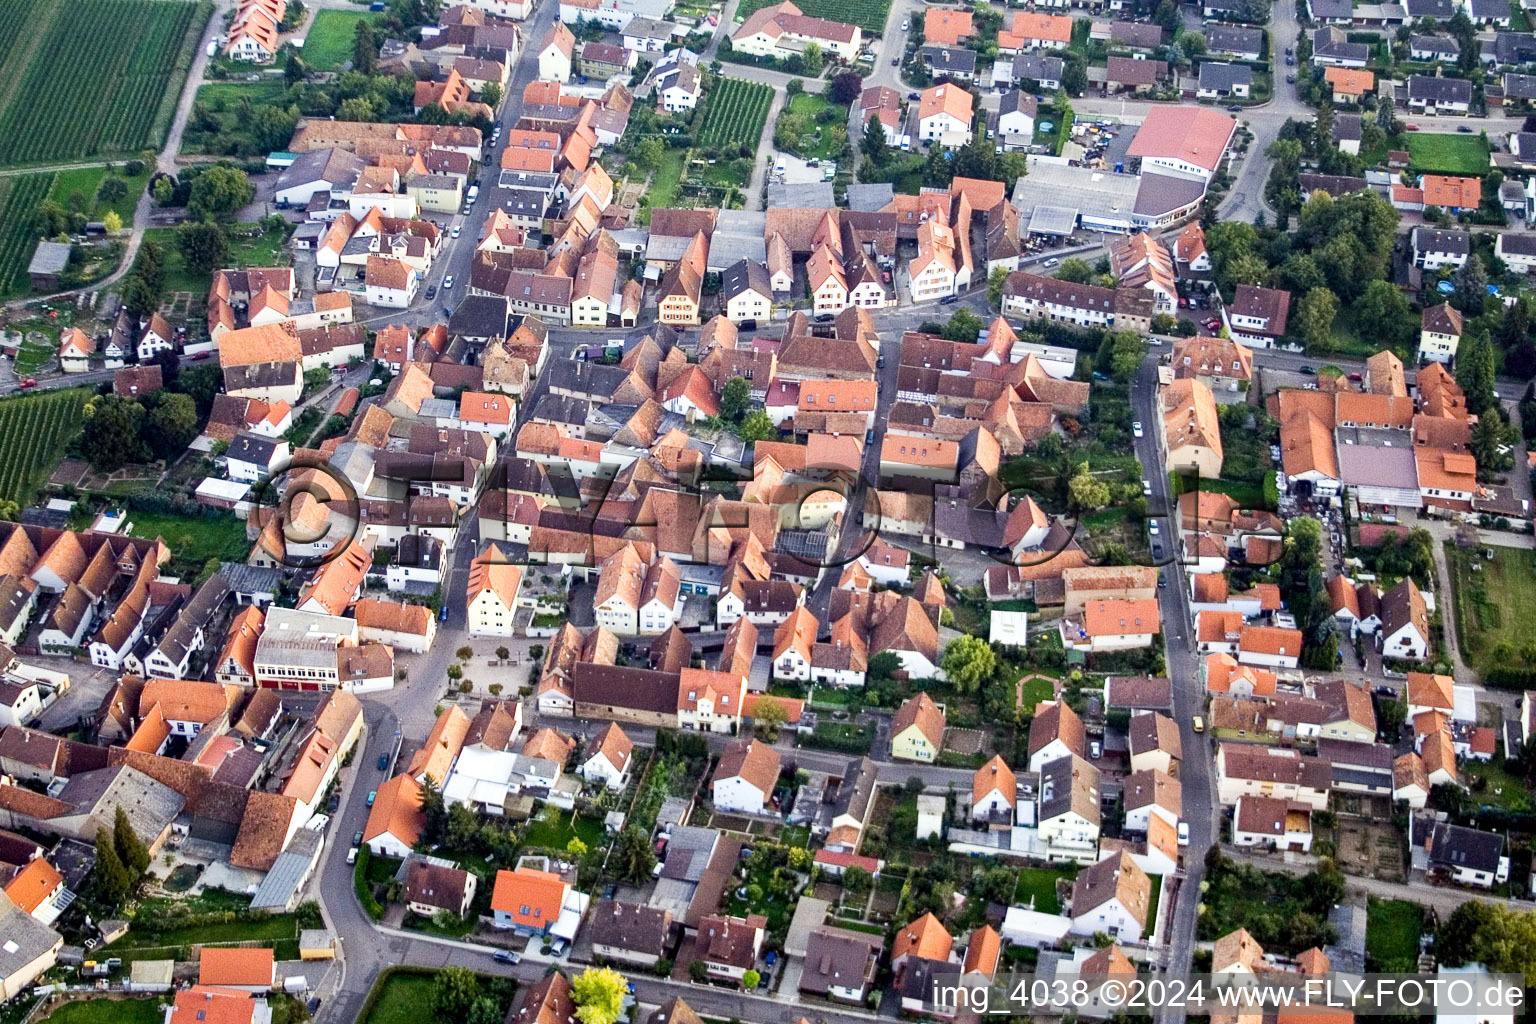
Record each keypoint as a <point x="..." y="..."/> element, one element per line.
<point x="663" y="190"/>
<point x="1392" y="930"/>
<point x="1040" y="883"/>
<point x="34" y="431"/>
<point x="1036" y="689"/>
<point x="108" y="1011"/>
<point x="221" y="537"/>
<point x="867" y="14"/>
<point x="91" y="77"/>
<point x="1494" y="786"/>
<point x="1247" y="495"/>
<point x="403" y="998"/>
<point x="1495" y="606"/>
<point x="777" y="911"/>
<point x="87" y="181"/>
<point x="553" y="829"/>
<point x="1439" y="153"/>
<point x="328" y="44"/>
<point x="844" y="736"/>
<point x="221" y="100"/>
<point x="262" y="250"/>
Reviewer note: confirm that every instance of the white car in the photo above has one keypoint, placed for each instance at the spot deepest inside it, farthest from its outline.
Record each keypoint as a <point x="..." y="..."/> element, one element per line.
<point x="1152" y="527"/>
<point x="1183" y="833"/>
<point x="456" y="230"/>
<point x="1053" y="261"/>
<point x="318" y="822"/>
<point x="352" y="855"/>
<point x="1146" y="488"/>
<point x="1135" y="427"/>
<point x="448" y="287"/>
<point x="906" y="24"/>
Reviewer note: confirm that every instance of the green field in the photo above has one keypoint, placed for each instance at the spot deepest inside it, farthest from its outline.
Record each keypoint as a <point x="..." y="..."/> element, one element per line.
<point x="737" y="110"/>
<point x="19" y="197"/>
<point x="219" y="103"/>
<point x="267" y="250"/>
<point x="221" y="537"/>
<point x="1495" y="606"/>
<point x="1448" y="154"/>
<point x="1392" y="934"/>
<point x="87" y="181"/>
<point x="328" y="43"/>
<point x="867" y="14"/>
<point x="403" y="999"/>
<point x="108" y="1011"/>
<point x="34" y="431"/>
<point x="553" y="829"/>
<point x="91" y="77"/>
<point x="1040" y="883"/>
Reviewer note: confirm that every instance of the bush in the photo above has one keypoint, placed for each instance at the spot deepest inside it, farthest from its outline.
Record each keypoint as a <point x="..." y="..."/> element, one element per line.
<point x="360" y="883"/>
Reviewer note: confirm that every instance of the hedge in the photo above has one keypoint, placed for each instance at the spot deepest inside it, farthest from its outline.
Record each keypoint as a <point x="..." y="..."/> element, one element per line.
<point x="365" y="895"/>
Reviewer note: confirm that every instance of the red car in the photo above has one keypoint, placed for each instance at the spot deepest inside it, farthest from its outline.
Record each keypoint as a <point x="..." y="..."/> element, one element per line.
<point x="1411" y="127"/>
<point x="1357" y="376"/>
<point x="29" y="382"/>
<point x="1211" y="324"/>
<point x="200" y="355"/>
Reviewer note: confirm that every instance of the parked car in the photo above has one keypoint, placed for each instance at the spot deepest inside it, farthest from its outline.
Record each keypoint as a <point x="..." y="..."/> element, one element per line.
<point x="906" y="24"/>
<point x="914" y="95"/>
<point x="895" y="62"/>
<point x="352" y="855"/>
<point x="31" y="382"/>
<point x="1464" y="128"/>
<point x="1291" y="79"/>
<point x="448" y="283"/>
<point x="1411" y="127"/>
<point x="1136" y="429"/>
<point x="1210" y="323"/>
<point x="384" y="762"/>
<point x="372" y="795"/>
<point x="1146" y="488"/>
<point x="1053" y="261"/>
<point x="431" y="292"/>
<point x="1235" y="108"/>
<point x="1183" y="833"/>
<point x="503" y="956"/>
<point x="1095" y="749"/>
<point x="1197" y="723"/>
<point x="1306" y="369"/>
<point x="1153" y="528"/>
<point x="455" y="232"/>
<point x="949" y="300"/>
<point x="357" y="838"/>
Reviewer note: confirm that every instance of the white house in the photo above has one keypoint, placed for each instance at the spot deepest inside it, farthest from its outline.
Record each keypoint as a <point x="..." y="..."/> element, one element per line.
<point x="607" y="758"/>
<point x="745" y="777"/>
<point x="1113" y="897"/>
<point x="556" y="54"/>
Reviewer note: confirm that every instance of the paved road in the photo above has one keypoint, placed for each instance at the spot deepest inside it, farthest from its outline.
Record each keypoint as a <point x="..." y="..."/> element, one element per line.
<point x="1201" y="810"/>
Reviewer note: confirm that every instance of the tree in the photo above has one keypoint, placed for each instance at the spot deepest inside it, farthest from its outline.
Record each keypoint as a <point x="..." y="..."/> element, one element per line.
<point x="219" y="192"/>
<point x="633" y="857"/>
<point x="576" y="848"/>
<point x="111" y="190"/>
<point x="874" y="144"/>
<point x="812" y="58"/>
<point x="648" y="153"/>
<point x="1495" y="935"/>
<point x="995" y="282"/>
<point x="164" y="190"/>
<point x="294" y="70"/>
<point x="845" y="88"/>
<point x="1085" y="492"/>
<point x="112" y="222"/>
<point x="454" y="990"/>
<point x="1074" y="76"/>
<point x="171" y="425"/>
<point x="202" y="383"/>
<point x="1075" y="270"/>
<point x="1493" y="441"/>
<point x="750" y="979"/>
<point x="491" y="95"/>
<point x="130" y="849"/>
<point x="365" y="49"/>
<point x="1393" y="714"/>
<point x="503" y="653"/>
<point x="968" y="662"/>
<point x="485" y="1010"/>
<point x="598" y="993"/>
<point x="857" y="881"/>
<point x="1384" y="306"/>
<point x="794" y="87"/>
<point x="110" y="439"/>
<point x="734" y="399"/>
<point x="1168" y="16"/>
<point x="698" y="970"/>
<point x="963" y="327"/>
<point x="769" y="716"/>
<point x="1314" y="315"/>
<point x="109" y="878"/>
<point x="757" y="426"/>
<point x="1472" y="286"/>
<point x="1475" y="371"/>
<point x="361" y="108"/>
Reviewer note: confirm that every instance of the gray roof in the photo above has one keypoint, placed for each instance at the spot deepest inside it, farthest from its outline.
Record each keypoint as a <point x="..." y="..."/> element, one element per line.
<point x="1378" y="466"/>
<point x="332" y="166"/>
<point x="1347" y="127"/>
<point x="151" y="805"/>
<point x="1162" y="192"/>
<point x="1233" y="39"/>
<point x="870" y="198"/>
<point x="1522" y="87"/>
<point x="1331" y="9"/>
<point x="745" y="275"/>
<point x="480" y="316"/>
<point x="1223" y="77"/>
<point x="813" y="195"/>
<point x="195" y="615"/>
<point x="1332" y="42"/>
<point x="1454" y="847"/>
<point x="950" y="59"/>
<point x="688" y="852"/>
<point x="1439" y="43"/>
<point x="1439" y="90"/>
<point x="288" y="872"/>
<point x="251" y="579"/>
<point x="1457" y="243"/>
<point x="254" y="448"/>
<point x="739" y="235"/>
<point x="26" y="938"/>
<point x="1038" y="68"/>
<point x="858" y="789"/>
<point x="1069" y="784"/>
<point x="1439" y="9"/>
<point x="50" y="258"/>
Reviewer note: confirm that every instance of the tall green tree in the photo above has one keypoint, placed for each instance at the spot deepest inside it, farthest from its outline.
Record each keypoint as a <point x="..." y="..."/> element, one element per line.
<point x="1315" y="314"/>
<point x="598" y="993"/>
<point x="130" y="848"/>
<point x="734" y="399"/>
<point x="109" y="878"/>
<point x="111" y="436"/>
<point x="632" y="858"/>
<point x="873" y="144"/>
<point x="365" y="49"/>
<point x="171" y="424"/>
<point x="219" y="192"/>
<point x="454" y="991"/>
<point x="1475" y="372"/>
<point x="203" y="245"/>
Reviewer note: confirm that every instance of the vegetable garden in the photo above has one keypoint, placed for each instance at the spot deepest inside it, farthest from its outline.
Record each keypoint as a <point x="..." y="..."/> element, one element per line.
<point x="91" y="76"/>
<point x="737" y="110"/>
<point x="34" y="431"/>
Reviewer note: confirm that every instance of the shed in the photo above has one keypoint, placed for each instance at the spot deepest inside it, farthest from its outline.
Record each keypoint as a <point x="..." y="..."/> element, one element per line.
<point x="316" y="944"/>
<point x="48" y="262"/>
